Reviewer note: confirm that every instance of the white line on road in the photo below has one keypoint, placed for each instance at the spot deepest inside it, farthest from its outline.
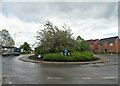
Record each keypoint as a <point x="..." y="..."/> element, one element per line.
<point x="109" y="77"/>
<point x="54" y="78"/>
<point x="9" y="82"/>
<point x="86" y="78"/>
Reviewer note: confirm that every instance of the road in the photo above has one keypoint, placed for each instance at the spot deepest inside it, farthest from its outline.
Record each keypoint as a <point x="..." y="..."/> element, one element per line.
<point x="15" y="71"/>
<point x="0" y="69"/>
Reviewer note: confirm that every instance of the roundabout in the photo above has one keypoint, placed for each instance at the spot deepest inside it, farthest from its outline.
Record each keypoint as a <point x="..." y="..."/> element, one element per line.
<point x="28" y="71"/>
<point x="28" y="59"/>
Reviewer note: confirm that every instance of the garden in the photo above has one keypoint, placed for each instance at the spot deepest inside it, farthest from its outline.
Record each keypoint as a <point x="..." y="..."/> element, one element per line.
<point x="76" y="56"/>
<point x="52" y="41"/>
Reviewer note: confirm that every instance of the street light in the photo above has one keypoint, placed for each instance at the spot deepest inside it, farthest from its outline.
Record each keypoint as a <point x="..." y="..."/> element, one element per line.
<point x="0" y="42"/>
<point x="15" y="34"/>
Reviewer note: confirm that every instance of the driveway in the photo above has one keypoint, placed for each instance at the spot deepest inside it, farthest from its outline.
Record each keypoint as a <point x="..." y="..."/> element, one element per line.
<point x="15" y="71"/>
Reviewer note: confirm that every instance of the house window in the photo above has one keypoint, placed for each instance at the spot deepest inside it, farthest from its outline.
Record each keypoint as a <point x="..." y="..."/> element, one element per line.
<point x="111" y="44"/>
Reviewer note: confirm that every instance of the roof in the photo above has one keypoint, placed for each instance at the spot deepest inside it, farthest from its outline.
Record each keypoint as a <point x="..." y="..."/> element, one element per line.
<point x="91" y="42"/>
<point x="109" y="40"/>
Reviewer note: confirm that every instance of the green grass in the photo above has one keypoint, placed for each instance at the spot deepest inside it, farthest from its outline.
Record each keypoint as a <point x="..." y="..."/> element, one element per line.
<point x="76" y="56"/>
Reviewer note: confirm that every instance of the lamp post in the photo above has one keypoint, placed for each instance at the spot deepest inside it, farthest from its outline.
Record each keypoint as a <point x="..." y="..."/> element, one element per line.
<point x="15" y="34"/>
<point x="0" y="43"/>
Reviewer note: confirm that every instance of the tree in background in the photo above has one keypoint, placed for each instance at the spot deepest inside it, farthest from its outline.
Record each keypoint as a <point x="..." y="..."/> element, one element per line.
<point x="5" y="38"/>
<point x="26" y="47"/>
<point x="79" y="39"/>
<point x="52" y="39"/>
<point x="82" y="45"/>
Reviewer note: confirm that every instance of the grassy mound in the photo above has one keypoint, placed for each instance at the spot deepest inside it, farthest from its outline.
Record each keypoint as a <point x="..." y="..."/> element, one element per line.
<point x="76" y="56"/>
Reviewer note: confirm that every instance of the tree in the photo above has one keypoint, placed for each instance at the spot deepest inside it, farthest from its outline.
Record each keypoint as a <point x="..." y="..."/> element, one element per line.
<point x="26" y="47"/>
<point x="81" y="44"/>
<point x="5" y="38"/>
<point x="79" y="39"/>
<point x="53" y="39"/>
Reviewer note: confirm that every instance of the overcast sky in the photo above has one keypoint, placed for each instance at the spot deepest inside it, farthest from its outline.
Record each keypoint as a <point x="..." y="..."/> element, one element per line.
<point x="90" y="20"/>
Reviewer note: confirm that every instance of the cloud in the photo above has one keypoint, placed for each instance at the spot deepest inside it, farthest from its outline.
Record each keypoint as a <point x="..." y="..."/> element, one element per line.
<point x="0" y="7"/>
<point x="40" y="10"/>
<point x="89" y="20"/>
<point x="25" y="31"/>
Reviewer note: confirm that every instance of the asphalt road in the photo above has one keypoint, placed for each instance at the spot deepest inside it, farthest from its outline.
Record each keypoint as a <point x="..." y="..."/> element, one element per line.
<point x="0" y="69"/>
<point x="15" y="71"/>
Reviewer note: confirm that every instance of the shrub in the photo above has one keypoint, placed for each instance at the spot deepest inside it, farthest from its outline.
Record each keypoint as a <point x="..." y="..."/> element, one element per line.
<point x="76" y="56"/>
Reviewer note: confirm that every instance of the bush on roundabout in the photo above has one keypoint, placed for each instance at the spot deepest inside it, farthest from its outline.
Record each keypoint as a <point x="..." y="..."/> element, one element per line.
<point x="75" y="56"/>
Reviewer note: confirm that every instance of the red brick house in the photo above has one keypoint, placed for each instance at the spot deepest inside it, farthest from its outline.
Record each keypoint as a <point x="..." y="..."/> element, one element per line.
<point x="93" y="44"/>
<point x="111" y="44"/>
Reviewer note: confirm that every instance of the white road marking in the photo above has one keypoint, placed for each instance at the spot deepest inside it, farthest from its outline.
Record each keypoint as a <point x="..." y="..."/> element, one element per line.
<point x="86" y="78"/>
<point x="97" y="65"/>
<point x="54" y="78"/>
<point x="85" y="65"/>
<point x="109" y="77"/>
<point x="32" y="63"/>
<point x="9" y="82"/>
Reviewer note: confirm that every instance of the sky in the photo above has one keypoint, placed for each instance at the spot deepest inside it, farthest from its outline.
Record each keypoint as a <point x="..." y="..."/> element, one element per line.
<point x="90" y="20"/>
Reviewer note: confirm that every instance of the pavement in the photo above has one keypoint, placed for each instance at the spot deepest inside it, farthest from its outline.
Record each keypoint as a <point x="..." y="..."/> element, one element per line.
<point x="15" y="71"/>
<point x="27" y="59"/>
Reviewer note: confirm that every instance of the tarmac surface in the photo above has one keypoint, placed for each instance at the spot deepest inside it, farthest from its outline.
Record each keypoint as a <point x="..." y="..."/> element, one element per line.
<point x="15" y="71"/>
<point x="0" y="70"/>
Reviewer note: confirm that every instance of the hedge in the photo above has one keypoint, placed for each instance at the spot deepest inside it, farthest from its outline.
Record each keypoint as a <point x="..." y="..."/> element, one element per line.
<point x="75" y="56"/>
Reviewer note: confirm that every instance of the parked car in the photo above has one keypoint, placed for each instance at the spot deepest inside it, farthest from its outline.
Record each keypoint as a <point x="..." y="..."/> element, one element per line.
<point x="6" y="51"/>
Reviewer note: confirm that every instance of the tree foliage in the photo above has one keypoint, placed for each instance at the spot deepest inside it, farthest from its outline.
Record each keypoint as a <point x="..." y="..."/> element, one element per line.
<point x="26" y="47"/>
<point x="82" y="45"/>
<point x="52" y="39"/>
<point x="79" y="39"/>
<point x="5" y="38"/>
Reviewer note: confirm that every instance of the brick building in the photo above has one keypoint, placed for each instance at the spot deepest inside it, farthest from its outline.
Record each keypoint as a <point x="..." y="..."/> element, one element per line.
<point x="93" y="44"/>
<point x="111" y="44"/>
